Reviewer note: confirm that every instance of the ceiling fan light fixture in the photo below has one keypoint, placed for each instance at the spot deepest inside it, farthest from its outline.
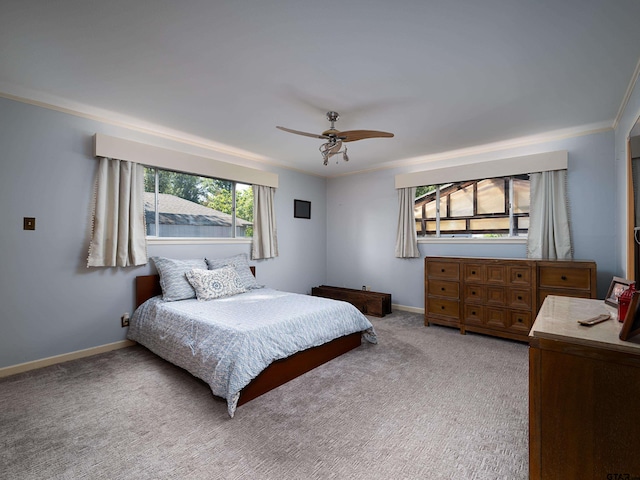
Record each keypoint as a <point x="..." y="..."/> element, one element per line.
<point x="336" y="138"/>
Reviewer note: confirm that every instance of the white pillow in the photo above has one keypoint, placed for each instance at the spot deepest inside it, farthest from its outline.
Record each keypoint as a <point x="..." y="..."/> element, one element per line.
<point x="211" y="284"/>
<point x="241" y="263"/>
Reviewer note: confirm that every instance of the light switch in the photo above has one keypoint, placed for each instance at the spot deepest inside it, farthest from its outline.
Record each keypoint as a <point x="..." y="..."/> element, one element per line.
<point x="29" y="223"/>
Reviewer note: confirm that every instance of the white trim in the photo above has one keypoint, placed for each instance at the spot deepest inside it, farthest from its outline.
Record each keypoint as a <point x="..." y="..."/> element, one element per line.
<point x="223" y="151"/>
<point x="113" y="147"/>
<point x="196" y="241"/>
<point x="488" y="148"/>
<point x="405" y="308"/>
<point x="477" y="241"/>
<point x="538" y="162"/>
<point x="65" y="357"/>
<point x="627" y="95"/>
<point x="63" y="105"/>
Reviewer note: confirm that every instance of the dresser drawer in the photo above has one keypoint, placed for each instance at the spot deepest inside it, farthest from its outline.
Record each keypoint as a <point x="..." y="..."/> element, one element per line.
<point x="569" y="278"/>
<point x="474" y="294"/>
<point x="520" y="275"/>
<point x="443" y="307"/>
<point x="520" y="321"/>
<point x="520" y="298"/>
<point x="443" y="288"/>
<point x="473" y="273"/>
<point x="443" y="270"/>
<point x="473" y="314"/>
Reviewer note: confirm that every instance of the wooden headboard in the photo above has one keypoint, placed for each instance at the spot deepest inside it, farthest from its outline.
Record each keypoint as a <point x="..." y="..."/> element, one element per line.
<point x="148" y="286"/>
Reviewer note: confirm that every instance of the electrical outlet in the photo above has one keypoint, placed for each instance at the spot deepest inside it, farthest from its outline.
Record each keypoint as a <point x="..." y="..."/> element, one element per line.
<point x="124" y="320"/>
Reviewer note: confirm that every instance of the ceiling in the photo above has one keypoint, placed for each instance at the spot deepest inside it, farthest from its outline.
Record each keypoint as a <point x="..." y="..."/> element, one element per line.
<point x="442" y="75"/>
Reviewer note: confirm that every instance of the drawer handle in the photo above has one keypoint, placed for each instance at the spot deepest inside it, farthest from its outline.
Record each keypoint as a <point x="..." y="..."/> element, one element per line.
<point x="519" y="275"/>
<point x="473" y="293"/>
<point x="473" y="313"/>
<point x="473" y="272"/>
<point x="519" y="297"/>
<point x="442" y="288"/>
<point x="563" y="277"/>
<point x="520" y="320"/>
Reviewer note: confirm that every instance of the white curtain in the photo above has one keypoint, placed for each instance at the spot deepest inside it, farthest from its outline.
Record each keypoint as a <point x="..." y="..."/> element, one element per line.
<point x="265" y="241"/>
<point x="549" y="233"/>
<point x="407" y="238"/>
<point x="119" y="237"/>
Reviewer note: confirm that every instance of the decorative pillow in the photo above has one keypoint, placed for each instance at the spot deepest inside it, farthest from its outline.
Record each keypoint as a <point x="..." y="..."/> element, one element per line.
<point x="241" y="263"/>
<point x="210" y="284"/>
<point x="173" y="278"/>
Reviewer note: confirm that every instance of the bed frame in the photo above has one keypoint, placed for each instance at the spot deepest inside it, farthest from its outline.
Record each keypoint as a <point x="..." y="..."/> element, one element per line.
<point x="280" y="371"/>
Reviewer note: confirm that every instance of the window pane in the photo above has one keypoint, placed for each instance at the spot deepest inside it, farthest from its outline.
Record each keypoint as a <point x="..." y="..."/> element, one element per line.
<point x="490" y="224"/>
<point x="194" y="206"/>
<point x="244" y="210"/>
<point x="461" y="203"/>
<point x="523" y="223"/>
<point x="430" y="209"/>
<point x="453" y="225"/>
<point x="491" y="196"/>
<point x="521" y="196"/>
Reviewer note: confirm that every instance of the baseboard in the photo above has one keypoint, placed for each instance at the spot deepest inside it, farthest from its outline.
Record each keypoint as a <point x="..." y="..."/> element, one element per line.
<point x="65" y="357"/>
<point x="405" y="308"/>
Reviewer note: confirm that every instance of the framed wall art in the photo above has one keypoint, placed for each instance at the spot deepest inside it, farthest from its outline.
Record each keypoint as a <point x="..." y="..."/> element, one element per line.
<point x="301" y="209"/>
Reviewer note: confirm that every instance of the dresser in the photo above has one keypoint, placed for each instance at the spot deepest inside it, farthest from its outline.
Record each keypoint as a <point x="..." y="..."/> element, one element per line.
<point x="584" y="383"/>
<point x="499" y="297"/>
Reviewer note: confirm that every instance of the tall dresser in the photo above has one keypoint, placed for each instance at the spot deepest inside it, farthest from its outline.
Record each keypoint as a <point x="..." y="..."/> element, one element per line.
<point x="499" y="297"/>
<point x="584" y="383"/>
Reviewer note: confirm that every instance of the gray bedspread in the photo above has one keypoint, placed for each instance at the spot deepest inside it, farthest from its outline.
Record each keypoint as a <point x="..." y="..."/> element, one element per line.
<point x="227" y="342"/>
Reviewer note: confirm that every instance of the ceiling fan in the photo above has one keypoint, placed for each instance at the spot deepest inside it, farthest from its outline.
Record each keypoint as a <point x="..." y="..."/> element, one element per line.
<point x="335" y="138"/>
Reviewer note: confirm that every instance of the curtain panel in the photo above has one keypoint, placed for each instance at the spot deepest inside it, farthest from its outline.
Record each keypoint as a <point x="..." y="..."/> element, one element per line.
<point x="406" y="238"/>
<point x="118" y="234"/>
<point x="549" y="232"/>
<point x="265" y="241"/>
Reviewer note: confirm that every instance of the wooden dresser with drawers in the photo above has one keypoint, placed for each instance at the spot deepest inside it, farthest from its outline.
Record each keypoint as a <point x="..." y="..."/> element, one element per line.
<point x="499" y="297"/>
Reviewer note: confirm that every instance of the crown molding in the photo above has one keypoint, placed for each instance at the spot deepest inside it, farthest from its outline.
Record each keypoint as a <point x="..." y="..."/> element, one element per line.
<point x="627" y="95"/>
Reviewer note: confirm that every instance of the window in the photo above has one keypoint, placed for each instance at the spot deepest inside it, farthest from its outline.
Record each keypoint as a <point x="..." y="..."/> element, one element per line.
<point x="493" y="207"/>
<point x="184" y="205"/>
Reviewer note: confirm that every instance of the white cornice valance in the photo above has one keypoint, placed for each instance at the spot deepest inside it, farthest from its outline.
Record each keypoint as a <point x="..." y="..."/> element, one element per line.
<point x="539" y="162"/>
<point x="113" y="147"/>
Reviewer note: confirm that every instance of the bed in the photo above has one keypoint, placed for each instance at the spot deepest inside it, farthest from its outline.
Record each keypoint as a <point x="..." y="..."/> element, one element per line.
<point x="247" y="344"/>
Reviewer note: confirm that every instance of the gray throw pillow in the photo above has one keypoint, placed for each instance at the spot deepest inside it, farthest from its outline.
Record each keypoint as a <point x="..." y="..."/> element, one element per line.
<point x="173" y="279"/>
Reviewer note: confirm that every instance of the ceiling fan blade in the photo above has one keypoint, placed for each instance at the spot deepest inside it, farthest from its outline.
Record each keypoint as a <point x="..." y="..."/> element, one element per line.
<point x="297" y="132"/>
<point x="353" y="135"/>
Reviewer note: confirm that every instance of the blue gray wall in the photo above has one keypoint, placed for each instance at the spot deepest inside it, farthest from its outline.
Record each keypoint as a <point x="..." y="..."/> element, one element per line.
<point x="363" y="211"/>
<point x="50" y="303"/>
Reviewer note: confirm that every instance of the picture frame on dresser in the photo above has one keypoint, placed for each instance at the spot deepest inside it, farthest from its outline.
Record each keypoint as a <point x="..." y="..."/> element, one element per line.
<point x="618" y="285"/>
<point x="631" y="324"/>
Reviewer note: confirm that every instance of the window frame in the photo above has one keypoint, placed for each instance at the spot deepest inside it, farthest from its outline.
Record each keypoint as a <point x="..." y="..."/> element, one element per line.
<point x="159" y="240"/>
<point x="509" y="235"/>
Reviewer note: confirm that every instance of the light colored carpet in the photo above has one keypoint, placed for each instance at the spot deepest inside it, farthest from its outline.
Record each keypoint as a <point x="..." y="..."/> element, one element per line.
<point x="425" y="403"/>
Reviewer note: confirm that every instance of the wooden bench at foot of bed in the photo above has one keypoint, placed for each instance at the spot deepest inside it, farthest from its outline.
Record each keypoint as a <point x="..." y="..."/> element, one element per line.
<point x="280" y="371"/>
